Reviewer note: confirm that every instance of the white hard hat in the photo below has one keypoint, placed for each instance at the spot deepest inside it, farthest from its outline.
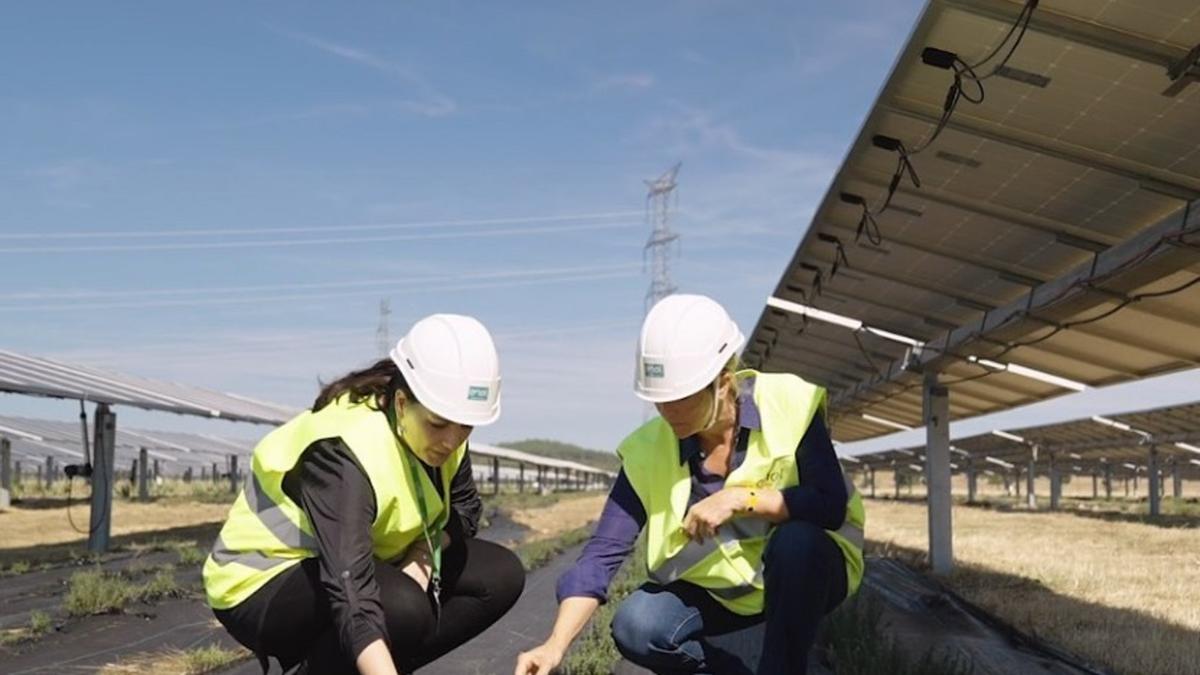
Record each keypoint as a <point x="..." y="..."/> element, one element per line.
<point x="686" y="340"/>
<point x="450" y="363"/>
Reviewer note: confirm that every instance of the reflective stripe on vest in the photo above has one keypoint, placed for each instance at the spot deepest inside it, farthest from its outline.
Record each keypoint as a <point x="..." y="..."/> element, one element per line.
<point x="739" y="528"/>
<point x="273" y="518"/>
<point x="277" y="523"/>
<point x="694" y="552"/>
<point x="222" y="556"/>
<point x="851" y="532"/>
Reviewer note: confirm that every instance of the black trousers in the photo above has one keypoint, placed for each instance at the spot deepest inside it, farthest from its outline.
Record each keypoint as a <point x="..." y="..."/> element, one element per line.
<point x="289" y="618"/>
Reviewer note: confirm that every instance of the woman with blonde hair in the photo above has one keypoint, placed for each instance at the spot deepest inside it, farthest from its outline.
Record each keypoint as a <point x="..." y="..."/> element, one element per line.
<point x="752" y="533"/>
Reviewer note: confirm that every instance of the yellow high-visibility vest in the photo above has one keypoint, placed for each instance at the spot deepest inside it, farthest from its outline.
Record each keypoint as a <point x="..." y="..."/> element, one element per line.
<point x="730" y="567"/>
<point x="267" y="533"/>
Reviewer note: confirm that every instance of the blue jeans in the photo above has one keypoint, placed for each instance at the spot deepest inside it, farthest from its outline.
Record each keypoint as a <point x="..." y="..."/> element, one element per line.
<point x="680" y="628"/>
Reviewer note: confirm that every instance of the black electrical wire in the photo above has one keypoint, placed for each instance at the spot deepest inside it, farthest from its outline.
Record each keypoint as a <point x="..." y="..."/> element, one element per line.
<point x="954" y="94"/>
<point x="1023" y="20"/>
<point x="1056" y="329"/>
<point x="1010" y="346"/>
<point x="869" y="226"/>
<point x="90" y="530"/>
<point x="910" y="387"/>
<point x="1092" y="282"/>
<point x="866" y="354"/>
<point x="1099" y="317"/>
<point x="904" y="167"/>
<point x="839" y="258"/>
<point x="966" y="86"/>
<point x="964" y="71"/>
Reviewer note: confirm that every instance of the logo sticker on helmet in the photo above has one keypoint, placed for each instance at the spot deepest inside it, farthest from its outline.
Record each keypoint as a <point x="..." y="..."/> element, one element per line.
<point x="653" y="369"/>
<point x="477" y="394"/>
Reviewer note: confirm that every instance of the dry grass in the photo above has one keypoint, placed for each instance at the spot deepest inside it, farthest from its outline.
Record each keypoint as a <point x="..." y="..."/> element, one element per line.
<point x="1121" y="594"/>
<point x="189" y="662"/>
<point x="25" y="527"/>
<point x="564" y="515"/>
<point x="40" y="532"/>
<point x="40" y="623"/>
<point x="97" y="591"/>
<point x="534" y="554"/>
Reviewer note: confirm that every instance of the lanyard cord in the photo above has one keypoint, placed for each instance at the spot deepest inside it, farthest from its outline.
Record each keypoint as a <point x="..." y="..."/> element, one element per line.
<point x="433" y="542"/>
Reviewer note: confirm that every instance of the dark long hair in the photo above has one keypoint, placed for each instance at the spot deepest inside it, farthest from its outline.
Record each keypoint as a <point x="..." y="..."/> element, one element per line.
<point x="381" y="379"/>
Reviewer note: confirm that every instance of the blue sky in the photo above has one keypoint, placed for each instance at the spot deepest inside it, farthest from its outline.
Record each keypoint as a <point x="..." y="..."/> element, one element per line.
<point x="365" y="139"/>
<point x="221" y="194"/>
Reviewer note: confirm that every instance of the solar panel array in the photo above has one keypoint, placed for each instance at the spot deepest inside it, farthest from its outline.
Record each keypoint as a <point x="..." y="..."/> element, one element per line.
<point x="20" y="374"/>
<point x="33" y="440"/>
<point x="1082" y="446"/>
<point x="1068" y="192"/>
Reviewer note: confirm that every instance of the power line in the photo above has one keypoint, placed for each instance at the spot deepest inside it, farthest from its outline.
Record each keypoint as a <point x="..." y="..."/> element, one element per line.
<point x="310" y="345"/>
<point x="285" y="243"/>
<point x="360" y="283"/>
<point x="323" y="228"/>
<point x="492" y="281"/>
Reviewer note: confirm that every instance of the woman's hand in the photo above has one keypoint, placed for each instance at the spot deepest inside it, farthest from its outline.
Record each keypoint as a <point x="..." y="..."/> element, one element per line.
<point x="540" y="660"/>
<point x="418" y="564"/>
<point x="573" y="615"/>
<point x="707" y="515"/>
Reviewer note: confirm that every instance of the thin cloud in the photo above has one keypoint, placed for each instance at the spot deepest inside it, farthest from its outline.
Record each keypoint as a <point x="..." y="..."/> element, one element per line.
<point x="355" y="55"/>
<point x="732" y="186"/>
<point x="626" y="82"/>
<point x="843" y="42"/>
<point x="430" y="102"/>
<point x="70" y="173"/>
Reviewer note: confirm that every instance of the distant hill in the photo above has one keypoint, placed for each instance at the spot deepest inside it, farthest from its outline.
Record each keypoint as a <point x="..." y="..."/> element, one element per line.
<point x="572" y="453"/>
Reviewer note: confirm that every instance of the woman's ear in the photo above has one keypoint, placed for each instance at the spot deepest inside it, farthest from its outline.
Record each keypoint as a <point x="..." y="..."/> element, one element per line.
<point x="729" y="381"/>
<point x="400" y="401"/>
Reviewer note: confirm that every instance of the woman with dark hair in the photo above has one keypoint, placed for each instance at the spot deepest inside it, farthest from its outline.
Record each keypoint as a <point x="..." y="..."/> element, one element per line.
<point x="332" y="556"/>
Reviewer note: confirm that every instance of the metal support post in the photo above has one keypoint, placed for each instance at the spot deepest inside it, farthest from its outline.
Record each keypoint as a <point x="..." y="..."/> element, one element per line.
<point x="143" y="470"/>
<point x="103" y="456"/>
<point x="937" y="474"/>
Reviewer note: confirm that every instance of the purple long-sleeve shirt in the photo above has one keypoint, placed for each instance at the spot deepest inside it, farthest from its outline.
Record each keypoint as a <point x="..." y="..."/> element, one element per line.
<point x="820" y="498"/>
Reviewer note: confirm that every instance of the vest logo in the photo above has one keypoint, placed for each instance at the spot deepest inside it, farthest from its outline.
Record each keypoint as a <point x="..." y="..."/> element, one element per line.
<point x="775" y="475"/>
<point x="653" y="370"/>
<point x="770" y="480"/>
<point x="477" y="394"/>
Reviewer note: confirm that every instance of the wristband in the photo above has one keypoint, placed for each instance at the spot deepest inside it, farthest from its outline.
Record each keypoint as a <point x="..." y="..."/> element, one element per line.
<point x="752" y="501"/>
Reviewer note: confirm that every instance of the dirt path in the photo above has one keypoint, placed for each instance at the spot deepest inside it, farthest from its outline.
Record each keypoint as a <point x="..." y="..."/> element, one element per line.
<point x="84" y="645"/>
